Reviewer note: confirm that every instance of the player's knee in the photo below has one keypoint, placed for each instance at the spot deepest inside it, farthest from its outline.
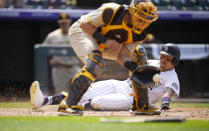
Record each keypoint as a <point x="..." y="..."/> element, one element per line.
<point x="93" y="68"/>
<point x="95" y="106"/>
<point x="95" y="63"/>
<point x="141" y="55"/>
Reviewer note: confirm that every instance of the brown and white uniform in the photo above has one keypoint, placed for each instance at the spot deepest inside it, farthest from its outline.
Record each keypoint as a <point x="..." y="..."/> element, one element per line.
<point x="109" y="20"/>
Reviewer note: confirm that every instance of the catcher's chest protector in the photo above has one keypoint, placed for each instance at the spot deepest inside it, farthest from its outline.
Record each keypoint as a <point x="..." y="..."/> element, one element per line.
<point x="116" y="28"/>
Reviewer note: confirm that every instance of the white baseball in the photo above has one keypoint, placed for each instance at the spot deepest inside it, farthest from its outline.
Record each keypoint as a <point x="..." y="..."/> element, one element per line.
<point x="156" y="78"/>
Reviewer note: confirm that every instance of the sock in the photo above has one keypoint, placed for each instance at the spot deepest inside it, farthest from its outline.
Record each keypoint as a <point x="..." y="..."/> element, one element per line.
<point x="53" y="100"/>
<point x="47" y="100"/>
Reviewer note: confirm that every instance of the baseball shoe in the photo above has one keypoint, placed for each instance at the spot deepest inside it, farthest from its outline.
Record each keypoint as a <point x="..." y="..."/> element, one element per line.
<point x="36" y="96"/>
<point x="146" y="110"/>
<point x="65" y="110"/>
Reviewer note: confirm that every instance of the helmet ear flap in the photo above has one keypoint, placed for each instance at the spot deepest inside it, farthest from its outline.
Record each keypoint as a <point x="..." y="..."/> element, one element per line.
<point x="175" y="61"/>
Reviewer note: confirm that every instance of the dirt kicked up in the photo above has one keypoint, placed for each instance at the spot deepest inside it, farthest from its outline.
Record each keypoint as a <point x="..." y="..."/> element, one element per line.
<point x="187" y="113"/>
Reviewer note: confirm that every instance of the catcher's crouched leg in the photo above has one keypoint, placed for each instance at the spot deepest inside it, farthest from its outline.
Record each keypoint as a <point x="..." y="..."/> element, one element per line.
<point x="147" y="109"/>
<point x="80" y="84"/>
<point x="140" y="80"/>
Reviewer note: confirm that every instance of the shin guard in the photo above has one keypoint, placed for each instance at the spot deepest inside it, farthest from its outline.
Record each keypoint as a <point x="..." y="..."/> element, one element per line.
<point x="85" y="77"/>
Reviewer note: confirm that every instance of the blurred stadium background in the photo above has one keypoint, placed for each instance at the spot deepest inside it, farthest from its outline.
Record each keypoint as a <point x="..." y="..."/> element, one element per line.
<point x="25" y="23"/>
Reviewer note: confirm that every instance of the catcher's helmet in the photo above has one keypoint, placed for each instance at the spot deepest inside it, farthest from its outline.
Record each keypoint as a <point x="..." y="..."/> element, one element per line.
<point x="144" y="9"/>
<point x="172" y="50"/>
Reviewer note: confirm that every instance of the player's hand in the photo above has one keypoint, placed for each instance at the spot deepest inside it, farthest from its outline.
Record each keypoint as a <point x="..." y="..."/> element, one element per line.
<point x="54" y="62"/>
<point x="113" y="45"/>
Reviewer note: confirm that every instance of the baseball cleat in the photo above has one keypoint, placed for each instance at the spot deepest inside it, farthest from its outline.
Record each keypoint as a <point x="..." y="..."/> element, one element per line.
<point x="146" y="110"/>
<point x="65" y="110"/>
<point x="36" y="96"/>
<point x="69" y="112"/>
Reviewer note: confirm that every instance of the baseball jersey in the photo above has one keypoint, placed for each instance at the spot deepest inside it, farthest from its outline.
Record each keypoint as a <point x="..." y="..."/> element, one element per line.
<point x="118" y="95"/>
<point x="168" y="79"/>
<point x="57" y="37"/>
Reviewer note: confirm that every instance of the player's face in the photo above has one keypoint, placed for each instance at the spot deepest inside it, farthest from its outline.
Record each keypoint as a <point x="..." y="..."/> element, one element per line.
<point x="64" y="25"/>
<point x="166" y="62"/>
<point x="139" y="23"/>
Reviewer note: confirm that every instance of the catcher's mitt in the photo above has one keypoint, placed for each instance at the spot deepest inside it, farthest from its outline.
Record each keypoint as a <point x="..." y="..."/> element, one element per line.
<point x="143" y="75"/>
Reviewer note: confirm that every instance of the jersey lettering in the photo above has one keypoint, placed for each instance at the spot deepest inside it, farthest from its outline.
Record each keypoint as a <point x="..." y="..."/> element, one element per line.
<point x="156" y="85"/>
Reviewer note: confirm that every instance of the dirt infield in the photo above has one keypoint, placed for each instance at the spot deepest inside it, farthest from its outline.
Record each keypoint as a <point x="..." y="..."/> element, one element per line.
<point x="188" y="113"/>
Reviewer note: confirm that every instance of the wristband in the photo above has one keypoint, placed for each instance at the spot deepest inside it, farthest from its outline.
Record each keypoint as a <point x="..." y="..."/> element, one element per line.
<point x="165" y="103"/>
<point x="98" y="36"/>
<point x="166" y="100"/>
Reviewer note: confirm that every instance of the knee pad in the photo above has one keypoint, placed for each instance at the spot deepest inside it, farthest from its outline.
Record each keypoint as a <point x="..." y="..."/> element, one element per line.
<point x="141" y="54"/>
<point x="93" y="68"/>
<point x="95" y="63"/>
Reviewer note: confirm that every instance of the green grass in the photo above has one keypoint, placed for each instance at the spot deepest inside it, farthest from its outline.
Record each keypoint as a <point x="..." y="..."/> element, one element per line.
<point x="14" y="105"/>
<point x="83" y="123"/>
<point x="92" y="124"/>
<point x="189" y="105"/>
<point x="173" y="105"/>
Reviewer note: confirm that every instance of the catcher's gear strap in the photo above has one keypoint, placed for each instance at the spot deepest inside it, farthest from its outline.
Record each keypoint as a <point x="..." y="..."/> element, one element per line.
<point x="78" y="107"/>
<point x="84" y="72"/>
<point x="99" y="37"/>
<point x="63" y="103"/>
<point x="117" y="14"/>
<point x="96" y="56"/>
<point x="95" y="63"/>
<point x="143" y="75"/>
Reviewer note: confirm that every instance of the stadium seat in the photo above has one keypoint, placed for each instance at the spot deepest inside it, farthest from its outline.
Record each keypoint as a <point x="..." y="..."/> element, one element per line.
<point x="203" y="4"/>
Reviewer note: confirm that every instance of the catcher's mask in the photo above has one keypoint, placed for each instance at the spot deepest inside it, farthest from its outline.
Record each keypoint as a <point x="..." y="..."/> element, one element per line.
<point x="144" y="10"/>
<point x="172" y="50"/>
